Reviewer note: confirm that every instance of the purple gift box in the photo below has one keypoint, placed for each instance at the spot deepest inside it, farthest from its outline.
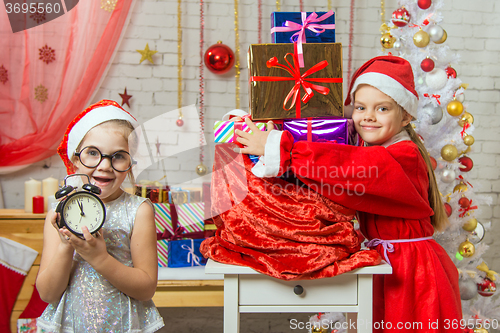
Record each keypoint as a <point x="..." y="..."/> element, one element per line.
<point x="335" y="130"/>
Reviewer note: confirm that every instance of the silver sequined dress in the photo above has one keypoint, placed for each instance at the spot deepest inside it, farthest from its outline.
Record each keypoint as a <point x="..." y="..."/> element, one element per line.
<point x="91" y="303"/>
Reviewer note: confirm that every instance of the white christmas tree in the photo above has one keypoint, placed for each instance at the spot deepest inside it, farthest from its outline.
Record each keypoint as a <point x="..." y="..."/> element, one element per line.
<point x="446" y="126"/>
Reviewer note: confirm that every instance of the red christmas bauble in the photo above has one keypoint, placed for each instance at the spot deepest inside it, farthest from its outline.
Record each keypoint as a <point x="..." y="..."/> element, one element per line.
<point x="400" y="17"/>
<point x="427" y="65"/>
<point x="433" y="162"/>
<point x="451" y="72"/>
<point x="466" y="163"/>
<point x="486" y="288"/>
<point x="219" y="58"/>
<point x="448" y="209"/>
<point x="424" y="4"/>
<point x="179" y="122"/>
<point x="464" y="202"/>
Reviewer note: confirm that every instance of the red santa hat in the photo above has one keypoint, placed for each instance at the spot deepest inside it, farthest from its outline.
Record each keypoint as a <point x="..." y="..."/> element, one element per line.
<point x="391" y="75"/>
<point x="87" y="119"/>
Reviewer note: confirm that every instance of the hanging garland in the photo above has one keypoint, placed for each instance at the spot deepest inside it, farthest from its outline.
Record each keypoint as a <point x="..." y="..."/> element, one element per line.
<point x="237" y="54"/>
<point x="351" y="34"/>
<point x="278" y="6"/>
<point x="301" y="5"/>
<point x="179" y="121"/>
<point x="329" y="5"/>
<point x="201" y="169"/>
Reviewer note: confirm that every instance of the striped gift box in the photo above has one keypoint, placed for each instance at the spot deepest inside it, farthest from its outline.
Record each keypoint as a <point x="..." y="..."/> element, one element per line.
<point x="190" y="216"/>
<point x="224" y="130"/>
<point x="162" y="249"/>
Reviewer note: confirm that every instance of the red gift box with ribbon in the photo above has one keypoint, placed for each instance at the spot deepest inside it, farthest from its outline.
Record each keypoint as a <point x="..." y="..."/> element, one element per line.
<point x="280" y="89"/>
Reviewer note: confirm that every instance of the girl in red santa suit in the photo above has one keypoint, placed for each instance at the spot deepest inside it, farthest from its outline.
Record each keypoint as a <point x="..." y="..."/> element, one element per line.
<point x="389" y="181"/>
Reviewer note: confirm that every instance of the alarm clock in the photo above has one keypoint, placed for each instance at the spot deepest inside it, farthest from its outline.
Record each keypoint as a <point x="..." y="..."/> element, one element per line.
<point x="79" y="208"/>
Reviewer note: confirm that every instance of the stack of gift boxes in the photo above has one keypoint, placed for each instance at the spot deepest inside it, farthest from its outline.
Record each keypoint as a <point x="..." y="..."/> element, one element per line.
<point x="297" y="81"/>
<point x="180" y="227"/>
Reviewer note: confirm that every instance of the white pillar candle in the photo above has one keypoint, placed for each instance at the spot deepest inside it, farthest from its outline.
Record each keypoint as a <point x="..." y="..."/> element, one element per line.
<point x="31" y="188"/>
<point x="52" y="203"/>
<point x="49" y="187"/>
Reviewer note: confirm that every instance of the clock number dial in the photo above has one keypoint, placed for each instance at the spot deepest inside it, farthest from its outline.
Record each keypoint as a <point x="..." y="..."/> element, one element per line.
<point x="83" y="209"/>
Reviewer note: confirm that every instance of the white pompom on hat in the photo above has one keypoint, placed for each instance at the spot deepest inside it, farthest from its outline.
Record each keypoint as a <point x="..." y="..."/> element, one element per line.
<point x="391" y="75"/>
<point x="89" y="118"/>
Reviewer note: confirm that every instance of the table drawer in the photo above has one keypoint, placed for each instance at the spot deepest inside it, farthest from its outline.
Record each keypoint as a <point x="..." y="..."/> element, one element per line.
<point x="264" y="290"/>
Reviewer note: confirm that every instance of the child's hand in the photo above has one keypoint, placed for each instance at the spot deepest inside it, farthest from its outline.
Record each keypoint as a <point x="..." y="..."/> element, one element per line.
<point x="254" y="143"/>
<point x="54" y="217"/>
<point x="92" y="248"/>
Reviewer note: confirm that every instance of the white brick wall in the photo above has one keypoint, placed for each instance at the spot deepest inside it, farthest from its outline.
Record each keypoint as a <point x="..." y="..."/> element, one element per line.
<point x="472" y="28"/>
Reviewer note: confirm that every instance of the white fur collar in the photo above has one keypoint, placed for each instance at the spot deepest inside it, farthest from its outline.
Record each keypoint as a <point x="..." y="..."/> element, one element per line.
<point x="401" y="136"/>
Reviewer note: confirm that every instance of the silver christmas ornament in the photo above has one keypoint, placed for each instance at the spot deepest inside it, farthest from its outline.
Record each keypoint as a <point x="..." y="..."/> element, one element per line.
<point x="448" y="176"/>
<point x="468" y="289"/>
<point x="436" y="33"/>
<point x="478" y="234"/>
<point x="435" y="112"/>
<point x="398" y="45"/>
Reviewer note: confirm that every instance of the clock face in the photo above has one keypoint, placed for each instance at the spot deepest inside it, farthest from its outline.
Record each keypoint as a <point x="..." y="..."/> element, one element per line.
<point x="83" y="209"/>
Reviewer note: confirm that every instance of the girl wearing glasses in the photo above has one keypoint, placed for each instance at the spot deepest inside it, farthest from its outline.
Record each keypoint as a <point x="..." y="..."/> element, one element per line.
<point x="102" y="283"/>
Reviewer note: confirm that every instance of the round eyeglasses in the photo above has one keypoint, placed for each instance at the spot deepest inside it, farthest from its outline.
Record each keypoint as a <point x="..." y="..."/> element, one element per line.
<point x="91" y="157"/>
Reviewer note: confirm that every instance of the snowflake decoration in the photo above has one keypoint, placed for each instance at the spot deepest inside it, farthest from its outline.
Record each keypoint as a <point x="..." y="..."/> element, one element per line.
<point x="38" y="17"/>
<point x="41" y="94"/>
<point x="108" y="5"/>
<point x="4" y="77"/>
<point x="47" y="54"/>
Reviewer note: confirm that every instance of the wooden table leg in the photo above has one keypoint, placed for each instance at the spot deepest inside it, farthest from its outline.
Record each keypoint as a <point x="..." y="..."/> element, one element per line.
<point x="365" y="304"/>
<point x="231" y="304"/>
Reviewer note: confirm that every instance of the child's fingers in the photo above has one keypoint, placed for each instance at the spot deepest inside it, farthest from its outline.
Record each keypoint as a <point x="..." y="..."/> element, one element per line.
<point x="270" y="125"/>
<point x="87" y="235"/>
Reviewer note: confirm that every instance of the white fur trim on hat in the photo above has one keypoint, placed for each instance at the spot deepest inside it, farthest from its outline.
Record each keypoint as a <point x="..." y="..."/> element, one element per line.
<point x="391" y="88"/>
<point x="91" y="120"/>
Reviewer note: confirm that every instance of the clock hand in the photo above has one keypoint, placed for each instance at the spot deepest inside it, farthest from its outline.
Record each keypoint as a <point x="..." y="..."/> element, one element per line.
<point x="80" y="204"/>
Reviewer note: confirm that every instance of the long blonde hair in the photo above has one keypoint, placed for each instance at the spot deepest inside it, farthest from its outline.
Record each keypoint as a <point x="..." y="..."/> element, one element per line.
<point x="439" y="220"/>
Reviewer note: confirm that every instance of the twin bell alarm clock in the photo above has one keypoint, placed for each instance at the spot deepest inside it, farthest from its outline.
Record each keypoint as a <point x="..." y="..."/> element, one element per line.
<point x="79" y="208"/>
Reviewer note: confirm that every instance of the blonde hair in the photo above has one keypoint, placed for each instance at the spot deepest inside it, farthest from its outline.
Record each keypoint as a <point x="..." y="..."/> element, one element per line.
<point x="128" y="133"/>
<point x="439" y="220"/>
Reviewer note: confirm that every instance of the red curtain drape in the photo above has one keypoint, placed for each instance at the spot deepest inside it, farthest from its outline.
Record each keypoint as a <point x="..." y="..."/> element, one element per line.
<point x="49" y="73"/>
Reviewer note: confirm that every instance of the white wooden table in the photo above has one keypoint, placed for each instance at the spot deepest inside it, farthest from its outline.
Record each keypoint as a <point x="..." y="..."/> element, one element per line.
<point x="247" y="291"/>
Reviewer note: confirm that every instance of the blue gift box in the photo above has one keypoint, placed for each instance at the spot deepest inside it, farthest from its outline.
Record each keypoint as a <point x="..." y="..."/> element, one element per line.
<point x="278" y="19"/>
<point x="185" y="253"/>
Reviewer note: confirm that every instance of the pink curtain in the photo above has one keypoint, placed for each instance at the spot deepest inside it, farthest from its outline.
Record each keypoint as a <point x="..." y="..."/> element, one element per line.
<point x="49" y="73"/>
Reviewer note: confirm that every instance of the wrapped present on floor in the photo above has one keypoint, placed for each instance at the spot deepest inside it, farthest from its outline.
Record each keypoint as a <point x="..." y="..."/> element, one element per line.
<point x="185" y="253"/>
<point x="179" y="196"/>
<point x="154" y="191"/>
<point x="162" y="249"/>
<point x="280" y="89"/>
<point x="179" y="221"/>
<point x="335" y="130"/>
<point x="26" y="325"/>
<point x="302" y="27"/>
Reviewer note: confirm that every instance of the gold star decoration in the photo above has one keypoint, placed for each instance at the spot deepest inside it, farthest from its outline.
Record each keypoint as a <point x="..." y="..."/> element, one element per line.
<point x="146" y="54"/>
<point x="108" y="5"/>
<point x="41" y="94"/>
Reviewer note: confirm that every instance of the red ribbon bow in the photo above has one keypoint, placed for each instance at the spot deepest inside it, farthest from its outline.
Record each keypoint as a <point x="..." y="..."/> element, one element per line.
<point x="437" y="97"/>
<point x="466" y="209"/>
<point x="300" y="81"/>
<point x="178" y="230"/>
<point x="460" y="177"/>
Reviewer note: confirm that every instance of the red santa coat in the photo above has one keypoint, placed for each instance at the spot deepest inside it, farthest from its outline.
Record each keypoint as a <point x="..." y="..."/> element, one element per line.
<point x="388" y="186"/>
